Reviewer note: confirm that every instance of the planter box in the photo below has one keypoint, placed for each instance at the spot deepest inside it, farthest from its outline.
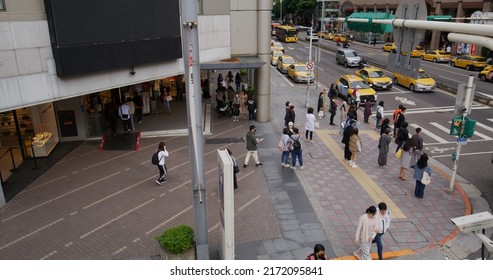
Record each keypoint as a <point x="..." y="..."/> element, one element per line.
<point x="188" y="255"/>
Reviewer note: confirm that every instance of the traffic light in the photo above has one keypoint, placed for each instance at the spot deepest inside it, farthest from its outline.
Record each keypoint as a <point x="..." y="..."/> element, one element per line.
<point x="454" y="156"/>
<point x="456" y="126"/>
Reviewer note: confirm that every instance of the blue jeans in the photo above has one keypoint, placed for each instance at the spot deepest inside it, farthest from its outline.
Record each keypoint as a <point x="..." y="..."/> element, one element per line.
<point x="419" y="190"/>
<point x="285" y="157"/>
<point x="296" y="154"/>
<point x="378" y="240"/>
<point x="377" y="126"/>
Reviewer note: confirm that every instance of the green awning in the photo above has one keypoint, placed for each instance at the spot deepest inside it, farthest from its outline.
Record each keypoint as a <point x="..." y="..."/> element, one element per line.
<point x="371" y="27"/>
<point x="439" y="18"/>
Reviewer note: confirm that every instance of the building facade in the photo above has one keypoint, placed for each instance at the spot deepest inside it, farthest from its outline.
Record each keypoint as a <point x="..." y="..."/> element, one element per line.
<point x="62" y="62"/>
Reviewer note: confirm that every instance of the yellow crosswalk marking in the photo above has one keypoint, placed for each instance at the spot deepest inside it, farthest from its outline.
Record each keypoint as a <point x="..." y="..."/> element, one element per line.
<point x="371" y="187"/>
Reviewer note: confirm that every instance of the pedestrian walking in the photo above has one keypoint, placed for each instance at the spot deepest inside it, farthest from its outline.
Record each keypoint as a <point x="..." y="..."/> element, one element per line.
<point x="374" y="41"/>
<point x="309" y="124"/>
<point x="352" y="112"/>
<point x="383" y="217"/>
<point x="318" y="253"/>
<point x="124" y="113"/>
<point x="379" y="116"/>
<point x="238" y="81"/>
<point x="229" y="79"/>
<point x="343" y="112"/>
<point x="320" y="105"/>
<point x="418" y="146"/>
<point x="236" y="107"/>
<point x="385" y="125"/>
<point x="367" y="112"/>
<point x="131" y="106"/>
<point x="290" y="114"/>
<point x="383" y="147"/>
<point x="296" y="150"/>
<point x="419" y="169"/>
<point x="162" y="155"/>
<point x="284" y="147"/>
<point x="166" y="98"/>
<point x="251" y="107"/>
<point x="251" y="146"/>
<point x="243" y="106"/>
<point x="354" y="147"/>
<point x="346" y="136"/>
<point x="365" y="233"/>
<point x="406" y="159"/>
<point x="236" y="169"/>
<point x="220" y="80"/>
<point x="402" y="136"/>
<point x="332" y="110"/>
<point x="332" y="91"/>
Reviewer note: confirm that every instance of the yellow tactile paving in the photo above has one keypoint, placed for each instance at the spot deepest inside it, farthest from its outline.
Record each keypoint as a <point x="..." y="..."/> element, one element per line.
<point x="372" y="188"/>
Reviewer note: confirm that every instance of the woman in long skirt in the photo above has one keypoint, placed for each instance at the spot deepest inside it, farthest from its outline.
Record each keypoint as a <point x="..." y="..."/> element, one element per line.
<point x="365" y="233"/>
<point x="383" y="147"/>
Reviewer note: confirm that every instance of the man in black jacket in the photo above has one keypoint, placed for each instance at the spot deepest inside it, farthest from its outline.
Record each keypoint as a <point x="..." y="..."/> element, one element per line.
<point x="345" y="140"/>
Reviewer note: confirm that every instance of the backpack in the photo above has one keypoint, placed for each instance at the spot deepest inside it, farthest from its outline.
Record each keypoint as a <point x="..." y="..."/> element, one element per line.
<point x="155" y="158"/>
<point x="296" y="144"/>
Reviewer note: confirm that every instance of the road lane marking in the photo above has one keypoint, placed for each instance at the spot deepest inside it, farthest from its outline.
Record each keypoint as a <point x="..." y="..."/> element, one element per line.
<point x="483" y="126"/>
<point x="441" y="127"/>
<point x="213" y="228"/>
<point x="429" y="133"/>
<point x="43" y="184"/>
<point x="49" y="255"/>
<point x="116" y="218"/>
<point x="455" y="142"/>
<point x="371" y="187"/>
<point x="465" y="154"/>
<point x="170" y="219"/>
<point x="60" y="196"/>
<point x="120" y="250"/>
<point x="31" y="233"/>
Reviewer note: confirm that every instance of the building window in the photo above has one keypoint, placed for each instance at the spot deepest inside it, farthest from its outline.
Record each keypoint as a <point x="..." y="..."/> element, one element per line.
<point x="2" y="6"/>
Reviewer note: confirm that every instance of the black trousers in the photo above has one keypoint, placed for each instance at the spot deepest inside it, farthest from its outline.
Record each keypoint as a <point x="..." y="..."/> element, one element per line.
<point x="332" y="118"/>
<point x="347" y="152"/>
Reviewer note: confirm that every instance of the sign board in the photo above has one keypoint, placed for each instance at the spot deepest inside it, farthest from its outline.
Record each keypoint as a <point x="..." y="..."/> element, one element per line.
<point x="226" y="205"/>
<point x="310" y="65"/>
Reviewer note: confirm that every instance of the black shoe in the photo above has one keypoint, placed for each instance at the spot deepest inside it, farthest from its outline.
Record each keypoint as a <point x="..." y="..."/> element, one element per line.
<point x="259" y="164"/>
<point x="245" y="166"/>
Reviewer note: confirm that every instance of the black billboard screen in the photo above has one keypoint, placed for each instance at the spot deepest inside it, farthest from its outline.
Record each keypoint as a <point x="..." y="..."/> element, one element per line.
<point x="99" y="35"/>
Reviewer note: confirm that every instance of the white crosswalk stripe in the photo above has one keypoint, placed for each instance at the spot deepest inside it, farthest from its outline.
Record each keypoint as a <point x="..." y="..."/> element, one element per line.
<point x="429" y="133"/>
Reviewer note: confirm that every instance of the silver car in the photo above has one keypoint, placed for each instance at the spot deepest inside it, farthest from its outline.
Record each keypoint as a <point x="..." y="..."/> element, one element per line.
<point x="347" y="57"/>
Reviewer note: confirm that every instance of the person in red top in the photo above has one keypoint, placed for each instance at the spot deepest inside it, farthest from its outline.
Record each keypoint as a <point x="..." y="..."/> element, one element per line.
<point x="396" y="113"/>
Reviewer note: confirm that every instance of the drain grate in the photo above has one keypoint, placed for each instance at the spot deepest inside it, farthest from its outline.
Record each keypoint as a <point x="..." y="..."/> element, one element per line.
<point x="224" y="140"/>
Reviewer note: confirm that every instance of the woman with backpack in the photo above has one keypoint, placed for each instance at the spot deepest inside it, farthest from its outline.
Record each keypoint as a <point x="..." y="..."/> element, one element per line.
<point x="419" y="169"/>
<point x="296" y="152"/>
<point x="162" y="154"/>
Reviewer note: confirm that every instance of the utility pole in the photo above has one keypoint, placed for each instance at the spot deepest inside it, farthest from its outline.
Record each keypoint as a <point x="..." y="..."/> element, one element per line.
<point x="281" y="13"/>
<point x="190" y="50"/>
<point x="464" y="111"/>
<point x="309" y="72"/>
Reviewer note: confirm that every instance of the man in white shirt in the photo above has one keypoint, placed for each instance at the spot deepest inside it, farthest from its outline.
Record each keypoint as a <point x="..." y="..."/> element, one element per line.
<point x="383" y="220"/>
<point x="124" y="113"/>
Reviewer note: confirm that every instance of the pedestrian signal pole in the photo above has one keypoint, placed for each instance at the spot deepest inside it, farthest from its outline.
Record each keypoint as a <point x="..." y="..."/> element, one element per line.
<point x="309" y="72"/>
<point x="463" y="105"/>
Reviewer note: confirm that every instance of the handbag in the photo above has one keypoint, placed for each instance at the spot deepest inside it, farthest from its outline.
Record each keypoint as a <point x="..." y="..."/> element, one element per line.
<point x="317" y="125"/>
<point x="359" y="145"/>
<point x="425" y="180"/>
<point x="398" y="154"/>
<point x="169" y="98"/>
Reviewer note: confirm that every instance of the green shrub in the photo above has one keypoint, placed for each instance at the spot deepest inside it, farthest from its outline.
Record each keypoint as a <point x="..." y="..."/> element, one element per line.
<point x="177" y="240"/>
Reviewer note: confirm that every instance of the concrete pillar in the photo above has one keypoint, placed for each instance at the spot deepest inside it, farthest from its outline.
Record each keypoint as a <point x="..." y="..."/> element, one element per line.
<point x="262" y="80"/>
<point x="375" y="8"/>
<point x="387" y="7"/>
<point x="435" y="35"/>
<point x="460" y="12"/>
<point x="364" y="8"/>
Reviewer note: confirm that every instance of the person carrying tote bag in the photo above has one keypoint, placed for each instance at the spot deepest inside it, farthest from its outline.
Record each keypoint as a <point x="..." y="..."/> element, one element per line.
<point x="420" y="169"/>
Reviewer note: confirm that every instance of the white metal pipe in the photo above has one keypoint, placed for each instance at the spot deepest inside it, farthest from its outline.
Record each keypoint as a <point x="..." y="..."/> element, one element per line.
<point x="471" y="39"/>
<point x="469" y="28"/>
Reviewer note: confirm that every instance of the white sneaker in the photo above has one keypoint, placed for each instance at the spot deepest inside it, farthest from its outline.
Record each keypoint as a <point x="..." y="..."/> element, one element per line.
<point x="350" y="163"/>
<point x="354" y="165"/>
<point x="293" y="167"/>
<point x="301" y="167"/>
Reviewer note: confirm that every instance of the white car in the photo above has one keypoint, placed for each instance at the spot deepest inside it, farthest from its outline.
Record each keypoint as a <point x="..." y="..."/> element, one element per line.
<point x="313" y="35"/>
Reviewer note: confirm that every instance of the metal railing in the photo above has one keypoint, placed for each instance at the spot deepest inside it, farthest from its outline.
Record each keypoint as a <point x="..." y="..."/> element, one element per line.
<point x="14" y="168"/>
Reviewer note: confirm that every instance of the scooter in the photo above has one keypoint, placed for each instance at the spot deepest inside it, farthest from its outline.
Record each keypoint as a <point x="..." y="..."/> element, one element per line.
<point x="346" y="45"/>
<point x="362" y="63"/>
<point x="224" y="109"/>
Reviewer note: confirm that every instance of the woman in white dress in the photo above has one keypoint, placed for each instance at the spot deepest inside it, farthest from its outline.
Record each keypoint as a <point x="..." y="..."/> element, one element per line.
<point x="310" y="124"/>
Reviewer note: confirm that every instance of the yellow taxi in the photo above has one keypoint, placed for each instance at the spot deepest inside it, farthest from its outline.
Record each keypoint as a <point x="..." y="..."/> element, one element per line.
<point x="274" y="55"/>
<point x="423" y="82"/>
<point x="436" y="56"/>
<point x="328" y="35"/>
<point x="375" y="78"/>
<point x="389" y="47"/>
<point x="297" y="72"/>
<point x="486" y="74"/>
<point x="276" y="46"/>
<point x="470" y="62"/>
<point x="336" y="37"/>
<point x="417" y="52"/>
<point x="346" y="85"/>
<point x="283" y="63"/>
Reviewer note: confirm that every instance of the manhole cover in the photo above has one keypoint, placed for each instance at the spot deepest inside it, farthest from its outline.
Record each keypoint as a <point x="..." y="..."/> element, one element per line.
<point x="224" y="140"/>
